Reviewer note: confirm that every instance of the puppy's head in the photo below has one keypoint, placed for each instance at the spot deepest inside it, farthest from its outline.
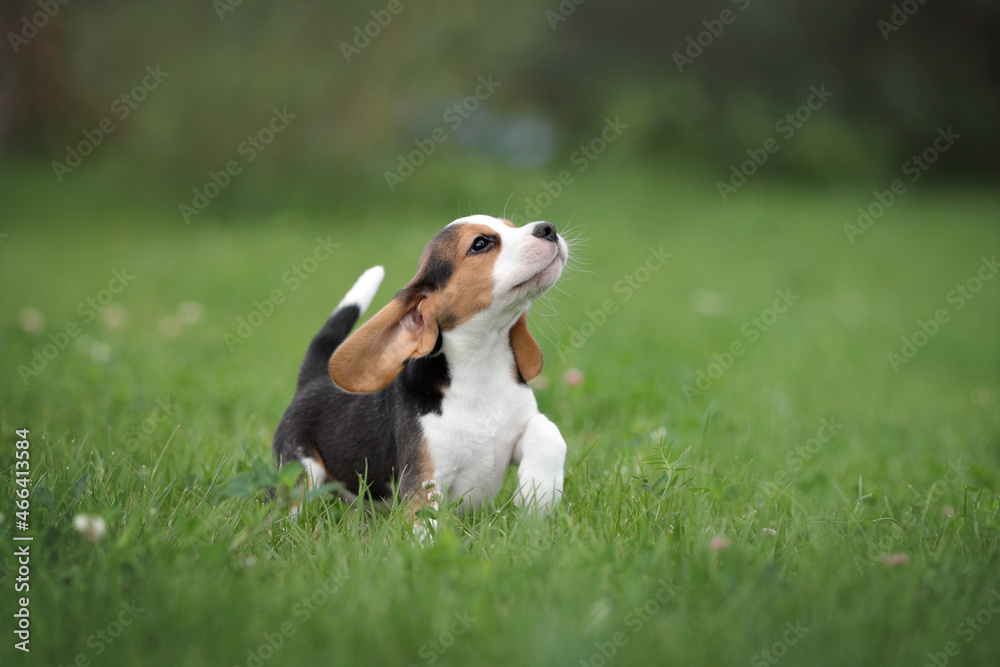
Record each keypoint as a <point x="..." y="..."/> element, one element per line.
<point x="477" y="267"/>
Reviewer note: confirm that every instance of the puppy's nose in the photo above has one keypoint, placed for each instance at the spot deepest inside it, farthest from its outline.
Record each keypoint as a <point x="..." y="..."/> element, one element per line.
<point x="545" y="230"/>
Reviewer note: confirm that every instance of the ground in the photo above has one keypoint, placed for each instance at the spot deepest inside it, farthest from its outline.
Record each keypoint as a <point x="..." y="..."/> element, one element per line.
<point x="783" y="437"/>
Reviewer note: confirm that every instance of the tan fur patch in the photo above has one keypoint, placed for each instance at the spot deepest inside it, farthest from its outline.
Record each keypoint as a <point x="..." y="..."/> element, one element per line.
<point x="527" y="354"/>
<point x="372" y="358"/>
<point x="469" y="287"/>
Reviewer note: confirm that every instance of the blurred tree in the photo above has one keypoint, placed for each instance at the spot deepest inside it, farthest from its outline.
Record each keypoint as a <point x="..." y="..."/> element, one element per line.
<point x="36" y="89"/>
<point x="695" y="80"/>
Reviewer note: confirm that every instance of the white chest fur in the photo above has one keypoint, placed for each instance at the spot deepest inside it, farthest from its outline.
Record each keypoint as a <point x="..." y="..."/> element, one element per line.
<point x="484" y="413"/>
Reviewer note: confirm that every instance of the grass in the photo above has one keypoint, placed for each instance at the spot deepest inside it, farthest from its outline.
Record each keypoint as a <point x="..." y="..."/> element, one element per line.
<point x="754" y="520"/>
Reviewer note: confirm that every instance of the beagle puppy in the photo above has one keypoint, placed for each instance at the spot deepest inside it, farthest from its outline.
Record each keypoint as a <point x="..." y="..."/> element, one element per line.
<point x="431" y="394"/>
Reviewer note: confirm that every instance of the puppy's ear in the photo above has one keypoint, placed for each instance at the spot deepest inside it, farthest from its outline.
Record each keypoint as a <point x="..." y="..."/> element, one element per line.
<point x="374" y="355"/>
<point x="527" y="354"/>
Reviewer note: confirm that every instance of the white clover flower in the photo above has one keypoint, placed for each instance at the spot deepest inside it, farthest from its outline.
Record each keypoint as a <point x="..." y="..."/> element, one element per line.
<point x="190" y="312"/>
<point x="91" y="527"/>
<point x="31" y="319"/>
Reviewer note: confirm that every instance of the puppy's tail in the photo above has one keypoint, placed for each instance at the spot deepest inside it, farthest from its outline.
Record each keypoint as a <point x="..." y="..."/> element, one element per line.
<point x="339" y="325"/>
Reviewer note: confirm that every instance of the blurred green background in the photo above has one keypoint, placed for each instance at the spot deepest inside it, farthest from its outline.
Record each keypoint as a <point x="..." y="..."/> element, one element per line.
<point x="697" y="84"/>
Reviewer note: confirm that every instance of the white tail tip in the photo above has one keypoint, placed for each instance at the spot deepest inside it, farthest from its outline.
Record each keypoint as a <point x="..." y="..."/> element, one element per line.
<point x="364" y="289"/>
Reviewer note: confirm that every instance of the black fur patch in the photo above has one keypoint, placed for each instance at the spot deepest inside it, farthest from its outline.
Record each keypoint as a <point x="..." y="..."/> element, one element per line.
<point x="314" y="365"/>
<point x="424" y="381"/>
<point x="438" y="268"/>
<point x="437" y="272"/>
<point x="377" y="435"/>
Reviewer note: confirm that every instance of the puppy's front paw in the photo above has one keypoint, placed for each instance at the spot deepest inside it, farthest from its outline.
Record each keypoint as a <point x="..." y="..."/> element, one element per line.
<point x="538" y="492"/>
<point x="540" y="457"/>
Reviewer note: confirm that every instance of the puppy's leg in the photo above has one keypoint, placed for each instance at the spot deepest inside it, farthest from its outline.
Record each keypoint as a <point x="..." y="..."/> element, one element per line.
<point x="419" y="490"/>
<point x="429" y="495"/>
<point x="420" y="494"/>
<point x="315" y="476"/>
<point x="540" y="455"/>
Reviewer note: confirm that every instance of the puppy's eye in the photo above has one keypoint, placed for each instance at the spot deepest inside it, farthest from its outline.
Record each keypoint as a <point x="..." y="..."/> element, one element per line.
<point x="481" y="244"/>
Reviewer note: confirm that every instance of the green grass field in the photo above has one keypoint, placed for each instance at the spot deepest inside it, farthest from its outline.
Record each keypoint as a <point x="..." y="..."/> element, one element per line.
<point x="751" y="478"/>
